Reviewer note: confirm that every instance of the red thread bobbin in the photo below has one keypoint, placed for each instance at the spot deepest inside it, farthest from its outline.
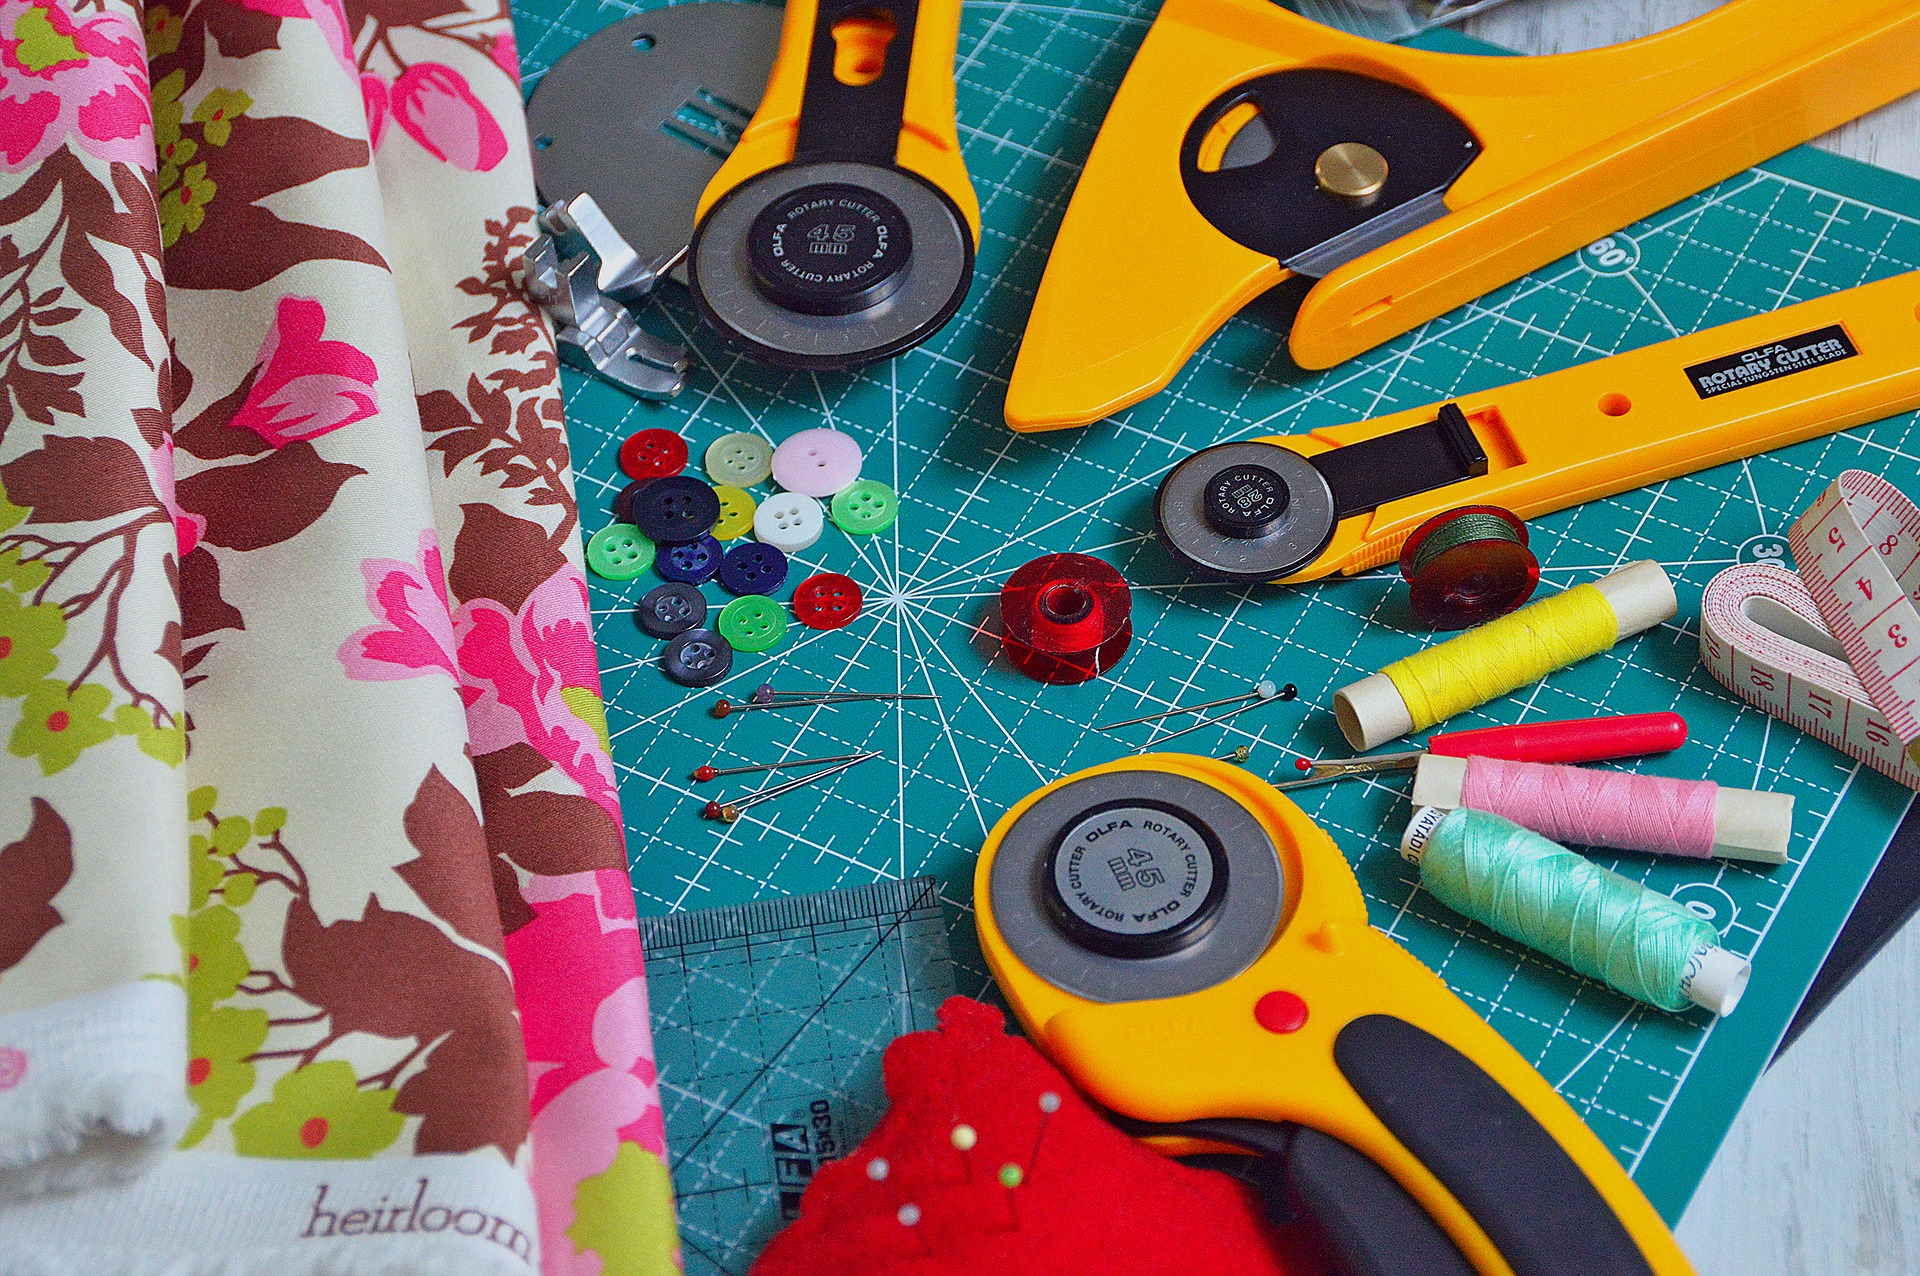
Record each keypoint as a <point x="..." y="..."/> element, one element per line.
<point x="1065" y="618"/>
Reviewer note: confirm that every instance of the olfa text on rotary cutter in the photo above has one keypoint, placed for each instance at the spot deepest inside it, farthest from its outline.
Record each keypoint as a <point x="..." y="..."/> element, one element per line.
<point x="1344" y="499"/>
<point x="1194" y="952"/>
<point x="1249" y="147"/>
<point x="842" y="228"/>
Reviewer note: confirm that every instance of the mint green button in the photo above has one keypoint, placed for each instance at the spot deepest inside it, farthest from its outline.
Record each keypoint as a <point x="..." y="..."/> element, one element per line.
<point x="619" y="552"/>
<point x="753" y="623"/>
<point x="865" y="507"/>
<point x="739" y="460"/>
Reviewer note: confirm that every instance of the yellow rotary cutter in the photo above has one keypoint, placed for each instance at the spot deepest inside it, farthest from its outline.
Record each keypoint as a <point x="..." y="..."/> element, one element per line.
<point x="842" y="229"/>
<point x="1345" y="498"/>
<point x="1249" y="148"/>
<point x="1194" y="952"/>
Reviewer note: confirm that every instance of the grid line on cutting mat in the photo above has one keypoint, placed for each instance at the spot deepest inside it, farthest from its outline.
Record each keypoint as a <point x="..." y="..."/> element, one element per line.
<point x="977" y="501"/>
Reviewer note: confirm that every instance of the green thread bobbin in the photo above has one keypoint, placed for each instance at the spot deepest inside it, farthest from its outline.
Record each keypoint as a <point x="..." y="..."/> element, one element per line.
<point x="1536" y="892"/>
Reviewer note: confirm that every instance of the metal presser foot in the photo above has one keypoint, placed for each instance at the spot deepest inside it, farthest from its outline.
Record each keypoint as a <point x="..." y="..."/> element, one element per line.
<point x="587" y="277"/>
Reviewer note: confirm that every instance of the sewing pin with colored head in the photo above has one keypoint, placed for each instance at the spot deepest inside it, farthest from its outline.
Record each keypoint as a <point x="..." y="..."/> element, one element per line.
<point x="704" y="773"/>
<point x="1287" y="692"/>
<point x="800" y="700"/>
<point x="729" y="812"/>
<point x="1265" y="689"/>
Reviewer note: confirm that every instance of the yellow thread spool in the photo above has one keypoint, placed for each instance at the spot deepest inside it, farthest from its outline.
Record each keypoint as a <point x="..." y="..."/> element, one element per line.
<point x="1483" y="664"/>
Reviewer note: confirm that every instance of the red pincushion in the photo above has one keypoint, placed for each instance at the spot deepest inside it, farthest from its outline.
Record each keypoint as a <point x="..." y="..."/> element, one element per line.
<point x="1089" y="1199"/>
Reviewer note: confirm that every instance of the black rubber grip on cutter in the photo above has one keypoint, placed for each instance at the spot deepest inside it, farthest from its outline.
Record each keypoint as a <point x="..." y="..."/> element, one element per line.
<point x="842" y="121"/>
<point x="1530" y="1198"/>
<point x="1370" y="1224"/>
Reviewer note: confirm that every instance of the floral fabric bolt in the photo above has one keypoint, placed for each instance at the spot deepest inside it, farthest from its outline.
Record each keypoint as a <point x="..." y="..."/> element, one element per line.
<point x="317" y="950"/>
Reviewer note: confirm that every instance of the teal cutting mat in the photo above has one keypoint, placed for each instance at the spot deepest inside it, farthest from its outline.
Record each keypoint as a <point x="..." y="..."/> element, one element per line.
<point x="978" y="501"/>
<point x="769" y="1021"/>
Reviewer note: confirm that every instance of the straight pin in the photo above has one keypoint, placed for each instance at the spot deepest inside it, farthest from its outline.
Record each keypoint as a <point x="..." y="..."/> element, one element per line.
<point x="725" y="708"/>
<point x="1287" y="692"/>
<point x="1265" y="689"/>
<point x="728" y="812"/>
<point x="705" y="773"/>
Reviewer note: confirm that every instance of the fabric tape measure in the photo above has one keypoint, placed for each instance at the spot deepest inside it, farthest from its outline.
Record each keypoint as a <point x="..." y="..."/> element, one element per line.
<point x="1833" y="649"/>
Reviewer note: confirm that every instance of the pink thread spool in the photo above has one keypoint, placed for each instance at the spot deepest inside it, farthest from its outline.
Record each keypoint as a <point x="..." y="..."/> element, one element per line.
<point x="1692" y="818"/>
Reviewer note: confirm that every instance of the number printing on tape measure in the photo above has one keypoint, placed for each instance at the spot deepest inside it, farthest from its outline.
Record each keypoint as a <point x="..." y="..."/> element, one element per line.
<point x="1830" y="649"/>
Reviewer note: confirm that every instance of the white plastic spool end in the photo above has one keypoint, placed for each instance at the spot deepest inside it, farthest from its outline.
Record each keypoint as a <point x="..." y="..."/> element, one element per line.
<point x="1370" y="712"/>
<point x="1749" y="825"/>
<point x="1641" y="595"/>
<point x="1413" y="843"/>
<point x="1439" y="781"/>
<point x="1716" y="978"/>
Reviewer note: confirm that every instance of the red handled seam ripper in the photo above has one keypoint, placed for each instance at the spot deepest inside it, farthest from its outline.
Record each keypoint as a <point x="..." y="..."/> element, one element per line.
<point x="1577" y="740"/>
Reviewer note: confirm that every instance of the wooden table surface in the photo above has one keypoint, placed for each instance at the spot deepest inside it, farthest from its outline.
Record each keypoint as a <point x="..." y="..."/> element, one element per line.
<point x="1821" y="1172"/>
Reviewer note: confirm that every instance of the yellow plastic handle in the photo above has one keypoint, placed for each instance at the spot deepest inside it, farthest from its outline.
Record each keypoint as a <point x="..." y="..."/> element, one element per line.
<point x="1572" y="147"/>
<point x="1636" y="418"/>
<point x="929" y="138"/>
<point x="1206" y="1055"/>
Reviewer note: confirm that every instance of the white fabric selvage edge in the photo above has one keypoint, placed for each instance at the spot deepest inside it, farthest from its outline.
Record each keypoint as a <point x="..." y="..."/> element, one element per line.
<point x="466" y="1214"/>
<point x="93" y="1087"/>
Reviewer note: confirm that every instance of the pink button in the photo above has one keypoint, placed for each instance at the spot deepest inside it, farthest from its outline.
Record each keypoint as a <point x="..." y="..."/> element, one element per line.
<point x="817" y="463"/>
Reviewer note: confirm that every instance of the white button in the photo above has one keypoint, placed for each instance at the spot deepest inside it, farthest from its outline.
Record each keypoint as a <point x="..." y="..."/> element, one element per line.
<point x="789" y="522"/>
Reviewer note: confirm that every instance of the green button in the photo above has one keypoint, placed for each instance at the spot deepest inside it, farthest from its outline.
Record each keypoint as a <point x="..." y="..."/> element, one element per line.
<point x="619" y="552"/>
<point x="739" y="460"/>
<point x="868" y="506"/>
<point x="753" y="623"/>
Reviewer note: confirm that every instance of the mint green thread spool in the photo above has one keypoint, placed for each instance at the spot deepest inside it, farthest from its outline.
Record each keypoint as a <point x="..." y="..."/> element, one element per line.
<point x="1538" y="893"/>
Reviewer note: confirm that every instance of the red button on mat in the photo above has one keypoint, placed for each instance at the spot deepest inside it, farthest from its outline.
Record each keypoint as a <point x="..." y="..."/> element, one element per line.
<point x="827" y="601"/>
<point x="1281" y="1012"/>
<point x="652" y="454"/>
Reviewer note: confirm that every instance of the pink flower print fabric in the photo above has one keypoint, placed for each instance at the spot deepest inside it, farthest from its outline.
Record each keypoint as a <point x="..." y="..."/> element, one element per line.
<point x="384" y="946"/>
<point x="65" y="80"/>
<point x="304" y="385"/>
<point x="436" y="107"/>
<point x="515" y="668"/>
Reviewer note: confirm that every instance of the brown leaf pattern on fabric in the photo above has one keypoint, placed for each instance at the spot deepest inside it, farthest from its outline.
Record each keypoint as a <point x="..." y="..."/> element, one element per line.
<point x="396" y="975"/>
<point x="459" y="1098"/>
<point x="500" y="557"/>
<point x="266" y="501"/>
<point x="32" y="872"/>
<point x="201" y="606"/>
<point x="524" y="827"/>
<point x="79" y="480"/>
<point x="442" y="826"/>
<point x="241" y="244"/>
<point x="210" y="435"/>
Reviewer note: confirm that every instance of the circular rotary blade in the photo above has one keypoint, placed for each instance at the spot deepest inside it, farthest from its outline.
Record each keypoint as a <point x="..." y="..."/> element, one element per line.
<point x="1136" y="884"/>
<point x="1244" y="512"/>
<point x="830" y="264"/>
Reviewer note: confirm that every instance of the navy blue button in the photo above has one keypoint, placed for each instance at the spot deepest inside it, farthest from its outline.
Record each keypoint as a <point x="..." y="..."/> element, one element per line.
<point x="670" y="610"/>
<point x="753" y="568"/>
<point x="689" y="564"/>
<point x="675" y="510"/>
<point x="697" y="658"/>
<point x="623" y="503"/>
